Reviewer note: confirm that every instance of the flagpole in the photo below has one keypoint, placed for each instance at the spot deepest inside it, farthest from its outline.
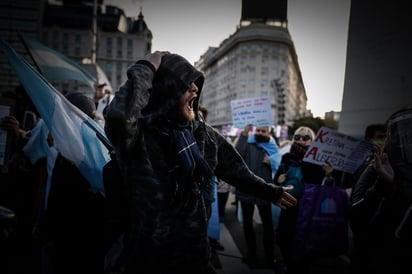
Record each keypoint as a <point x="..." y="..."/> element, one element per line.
<point x="29" y="52"/>
<point x="94" y="46"/>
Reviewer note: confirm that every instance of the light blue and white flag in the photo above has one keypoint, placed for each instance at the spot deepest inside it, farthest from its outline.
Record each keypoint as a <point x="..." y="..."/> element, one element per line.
<point x="74" y="132"/>
<point x="57" y="67"/>
<point x="214" y="222"/>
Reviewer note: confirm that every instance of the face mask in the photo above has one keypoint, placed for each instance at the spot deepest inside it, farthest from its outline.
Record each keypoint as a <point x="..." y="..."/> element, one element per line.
<point x="261" y="138"/>
<point x="378" y="142"/>
<point x="298" y="150"/>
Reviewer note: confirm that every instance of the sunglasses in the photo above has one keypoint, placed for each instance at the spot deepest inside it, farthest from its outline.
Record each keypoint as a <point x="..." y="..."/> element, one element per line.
<point x="304" y="137"/>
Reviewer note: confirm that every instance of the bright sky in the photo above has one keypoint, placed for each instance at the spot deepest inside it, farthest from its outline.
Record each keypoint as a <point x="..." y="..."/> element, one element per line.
<point x="318" y="29"/>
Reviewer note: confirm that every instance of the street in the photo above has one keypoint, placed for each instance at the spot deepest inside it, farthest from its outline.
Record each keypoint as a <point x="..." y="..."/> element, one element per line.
<point x="230" y="259"/>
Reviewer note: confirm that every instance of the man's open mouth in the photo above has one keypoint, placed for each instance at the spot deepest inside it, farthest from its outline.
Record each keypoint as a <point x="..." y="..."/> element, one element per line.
<point x="190" y="104"/>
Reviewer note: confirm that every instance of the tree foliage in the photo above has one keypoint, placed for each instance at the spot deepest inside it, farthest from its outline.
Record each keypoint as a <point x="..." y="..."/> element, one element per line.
<point x="314" y="123"/>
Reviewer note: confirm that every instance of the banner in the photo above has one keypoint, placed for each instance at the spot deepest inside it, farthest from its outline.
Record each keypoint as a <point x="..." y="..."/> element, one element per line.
<point x="255" y="111"/>
<point x="343" y="152"/>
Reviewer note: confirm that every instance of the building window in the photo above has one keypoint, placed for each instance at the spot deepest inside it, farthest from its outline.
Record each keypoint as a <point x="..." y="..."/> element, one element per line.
<point x="109" y="68"/>
<point x="129" y="43"/>
<point x="77" y="51"/>
<point x="65" y="49"/>
<point x="119" y="42"/>
<point x="264" y="83"/>
<point x="55" y="36"/>
<point x="65" y="39"/>
<point x="77" y="39"/>
<point x="109" y="42"/>
<point x="45" y="37"/>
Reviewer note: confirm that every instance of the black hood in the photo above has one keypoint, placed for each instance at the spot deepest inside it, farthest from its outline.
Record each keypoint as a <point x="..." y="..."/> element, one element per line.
<point x="171" y="80"/>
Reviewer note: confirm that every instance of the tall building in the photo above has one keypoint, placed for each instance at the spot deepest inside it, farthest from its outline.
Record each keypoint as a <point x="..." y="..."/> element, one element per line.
<point x="16" y="16"/>
<point x="120" y="40"/>
<point x="67" y="26"/>
<point x="378" y="76"/>
<point x="259" y="59"/>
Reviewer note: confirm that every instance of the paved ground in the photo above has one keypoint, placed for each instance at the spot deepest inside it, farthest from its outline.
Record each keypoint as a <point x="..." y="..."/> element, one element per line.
<point x="230" y="260"/>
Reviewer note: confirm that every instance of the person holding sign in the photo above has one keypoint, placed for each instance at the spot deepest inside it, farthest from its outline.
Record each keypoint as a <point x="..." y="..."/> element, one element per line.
<point x="293" y="171"/>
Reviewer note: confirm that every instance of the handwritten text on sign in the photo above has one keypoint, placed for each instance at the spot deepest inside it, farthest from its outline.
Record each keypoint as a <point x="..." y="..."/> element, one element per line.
<point x="344" y="152"/>
<point x="255" y="111"/>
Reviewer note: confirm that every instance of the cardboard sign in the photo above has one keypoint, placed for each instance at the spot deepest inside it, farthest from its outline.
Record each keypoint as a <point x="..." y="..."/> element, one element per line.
<point x="344" y="152"/>
<point x="255" y="111"/>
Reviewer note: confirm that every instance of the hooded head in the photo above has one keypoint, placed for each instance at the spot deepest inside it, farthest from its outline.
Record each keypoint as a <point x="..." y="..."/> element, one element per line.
<point x="171" y="80"/>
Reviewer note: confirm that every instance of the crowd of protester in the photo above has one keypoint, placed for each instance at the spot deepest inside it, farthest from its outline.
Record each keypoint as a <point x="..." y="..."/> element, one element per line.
<point x="169" y="161"/>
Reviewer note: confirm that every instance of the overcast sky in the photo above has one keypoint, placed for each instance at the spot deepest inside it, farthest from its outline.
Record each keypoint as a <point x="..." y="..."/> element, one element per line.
<point x="318" y="29"/>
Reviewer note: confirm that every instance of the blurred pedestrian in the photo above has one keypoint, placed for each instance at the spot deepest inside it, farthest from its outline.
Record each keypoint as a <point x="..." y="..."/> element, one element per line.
<point x="261" y="154"/>
<point x="381" y="205"/>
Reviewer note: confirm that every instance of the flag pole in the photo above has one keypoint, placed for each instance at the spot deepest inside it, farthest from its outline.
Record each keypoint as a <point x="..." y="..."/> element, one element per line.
<point x="94" y="45"/>
<point x="29" y="52"/>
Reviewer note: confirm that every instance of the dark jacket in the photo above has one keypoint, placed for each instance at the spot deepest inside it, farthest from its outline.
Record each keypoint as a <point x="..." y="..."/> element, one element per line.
<point x="253" y="156"/>
<point x="381" y="220"/>
<point x="166" y="229"/>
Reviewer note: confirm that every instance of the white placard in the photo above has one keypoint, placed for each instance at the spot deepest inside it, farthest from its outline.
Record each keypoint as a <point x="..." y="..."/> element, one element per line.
<point x="255" y="111"/>
<point x="344" y="152"/>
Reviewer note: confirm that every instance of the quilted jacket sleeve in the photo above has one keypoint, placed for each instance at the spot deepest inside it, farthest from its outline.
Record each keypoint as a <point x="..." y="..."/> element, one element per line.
<point x="232" y="168"/>
<point x="122" y="114"/>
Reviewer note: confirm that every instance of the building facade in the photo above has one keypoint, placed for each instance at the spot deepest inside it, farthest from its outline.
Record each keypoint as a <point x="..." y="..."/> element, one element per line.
<point x="67" y="27"/>
<point x="258" y="60"/>
<point x="17" y="16"/>
<point x="120" y="40"/>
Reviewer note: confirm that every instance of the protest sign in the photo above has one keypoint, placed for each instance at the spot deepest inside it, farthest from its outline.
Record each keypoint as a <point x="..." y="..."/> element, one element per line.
<point x="255" y="111"/>
<point x="344" y="152"/>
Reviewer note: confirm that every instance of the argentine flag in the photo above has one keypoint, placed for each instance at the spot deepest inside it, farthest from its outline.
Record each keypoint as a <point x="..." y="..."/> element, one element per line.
<point x="74" y="133"/>
<point x="57" y="67"/>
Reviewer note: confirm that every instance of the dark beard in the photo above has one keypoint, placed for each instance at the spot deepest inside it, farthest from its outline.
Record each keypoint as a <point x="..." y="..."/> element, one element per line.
<point x="261" y="138"/>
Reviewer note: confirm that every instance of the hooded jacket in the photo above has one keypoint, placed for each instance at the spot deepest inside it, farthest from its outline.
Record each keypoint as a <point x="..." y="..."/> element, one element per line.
<point x="166" y="226"/>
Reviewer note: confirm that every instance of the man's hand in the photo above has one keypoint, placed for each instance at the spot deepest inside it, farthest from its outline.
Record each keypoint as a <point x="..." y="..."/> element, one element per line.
<point x="282" y="178"/>
<point x="247" y="129"/>
<point x="383" y="167"/>
<point x="287" y="200"/>
<point x="99" y="92"/>
<point x="156" y="58"/>
<point x="11" y="124"/>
